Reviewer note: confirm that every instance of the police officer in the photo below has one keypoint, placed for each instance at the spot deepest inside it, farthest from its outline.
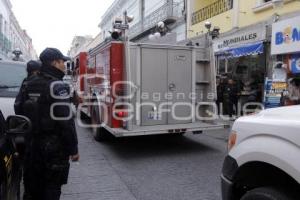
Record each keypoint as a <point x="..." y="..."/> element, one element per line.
<point x="33" y="68"/>
<point x="53" y="141"/>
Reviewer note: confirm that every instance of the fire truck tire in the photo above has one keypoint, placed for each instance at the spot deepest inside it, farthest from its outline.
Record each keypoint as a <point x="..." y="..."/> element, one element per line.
<point x="83" y="116"/>
<point x="178" y="134"/>
<point x="75" y="100"/>
<point x="100" y="134"/>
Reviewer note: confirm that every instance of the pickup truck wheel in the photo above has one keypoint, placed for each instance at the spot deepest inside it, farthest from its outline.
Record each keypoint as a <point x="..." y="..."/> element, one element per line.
<point x="266" y="194"/>
<point x="99" y="133"/>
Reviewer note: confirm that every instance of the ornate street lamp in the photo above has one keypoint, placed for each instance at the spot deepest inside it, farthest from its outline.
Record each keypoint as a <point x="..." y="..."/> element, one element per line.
<point x="17" y="52"/>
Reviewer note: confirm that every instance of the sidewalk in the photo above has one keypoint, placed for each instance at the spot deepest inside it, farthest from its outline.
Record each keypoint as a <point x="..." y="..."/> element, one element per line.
<point x="93" y="178"/>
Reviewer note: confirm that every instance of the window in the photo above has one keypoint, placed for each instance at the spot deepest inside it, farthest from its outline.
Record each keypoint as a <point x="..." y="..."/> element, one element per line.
<point x="262" y="5"/>
<point x="5" y="28"/>
<point x="261" y="2"/>
<point x="152" y="6"/>
<point x="11" y="77"/>
<point x="1" y="23"/>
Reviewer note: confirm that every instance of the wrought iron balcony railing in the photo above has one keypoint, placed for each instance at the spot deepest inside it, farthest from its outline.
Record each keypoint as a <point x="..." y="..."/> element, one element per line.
<point x="168" y="12"/>
<point x="212" y="10"/>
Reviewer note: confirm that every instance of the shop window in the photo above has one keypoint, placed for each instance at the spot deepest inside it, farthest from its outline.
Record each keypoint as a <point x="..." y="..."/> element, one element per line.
<point x="241" y="69"/>
<point x="222" y="66"/>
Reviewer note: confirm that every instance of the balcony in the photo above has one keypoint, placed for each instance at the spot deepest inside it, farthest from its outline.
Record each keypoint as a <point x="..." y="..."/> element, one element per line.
<point x="212" y="10"/>
<point x="168" y="13"/>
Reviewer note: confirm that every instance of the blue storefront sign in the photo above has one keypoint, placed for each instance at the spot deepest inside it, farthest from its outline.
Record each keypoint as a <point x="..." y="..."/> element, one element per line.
<point x="295" y="64"/>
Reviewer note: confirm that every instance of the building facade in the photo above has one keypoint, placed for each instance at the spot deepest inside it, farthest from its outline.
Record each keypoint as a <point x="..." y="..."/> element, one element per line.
<point x="244" y="50"/>
<point x="79" y="44"/>
<point x="146" y="16"/>
<point x="232" y="14"/>
<point x="12" y="36"/>
<point x="5" y="44"/>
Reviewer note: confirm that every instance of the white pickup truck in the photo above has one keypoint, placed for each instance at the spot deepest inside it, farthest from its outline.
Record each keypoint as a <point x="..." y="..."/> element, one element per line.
<point x="12" y="73"/>
<point x="264" y="157"/>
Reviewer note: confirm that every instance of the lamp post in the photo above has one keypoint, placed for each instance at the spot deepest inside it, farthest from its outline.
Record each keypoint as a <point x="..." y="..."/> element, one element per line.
<point x="17" y="52"/>
<point x="160" y="30"/>
<point x="210" y="35"/>
<point x="277" y="5"/>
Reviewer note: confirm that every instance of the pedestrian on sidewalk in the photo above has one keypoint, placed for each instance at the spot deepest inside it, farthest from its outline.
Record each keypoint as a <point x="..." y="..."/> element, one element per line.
<point x="233" y="98"/>
<point x="53" y="141"/>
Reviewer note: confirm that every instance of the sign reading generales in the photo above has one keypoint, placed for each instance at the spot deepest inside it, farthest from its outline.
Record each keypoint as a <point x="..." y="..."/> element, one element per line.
<point x="286" y="36"/>
<point x="240" y="38"/>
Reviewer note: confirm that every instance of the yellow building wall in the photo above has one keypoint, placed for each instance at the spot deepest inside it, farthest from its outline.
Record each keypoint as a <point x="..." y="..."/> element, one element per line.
<point x="247" y="16"/>
<point x="224" y="21"/>
<point x="198" y="4"/>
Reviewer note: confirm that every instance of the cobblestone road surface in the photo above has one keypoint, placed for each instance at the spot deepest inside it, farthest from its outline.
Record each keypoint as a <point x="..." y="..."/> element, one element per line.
<point x="148" y="168"/>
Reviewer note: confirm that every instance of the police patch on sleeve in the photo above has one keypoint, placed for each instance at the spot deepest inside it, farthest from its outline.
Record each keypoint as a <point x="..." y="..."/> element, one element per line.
<point x="63" y="93"/>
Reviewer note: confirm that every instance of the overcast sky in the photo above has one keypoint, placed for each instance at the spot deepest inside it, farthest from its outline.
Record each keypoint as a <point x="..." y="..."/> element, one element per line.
<point x="54" y="23"/>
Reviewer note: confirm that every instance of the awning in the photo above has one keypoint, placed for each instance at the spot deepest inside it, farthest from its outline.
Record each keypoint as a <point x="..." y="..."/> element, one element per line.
<point x="245" y="50"/>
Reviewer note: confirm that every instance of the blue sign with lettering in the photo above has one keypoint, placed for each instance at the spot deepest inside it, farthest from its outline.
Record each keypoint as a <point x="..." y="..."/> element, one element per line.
<point x="295" y="64"/>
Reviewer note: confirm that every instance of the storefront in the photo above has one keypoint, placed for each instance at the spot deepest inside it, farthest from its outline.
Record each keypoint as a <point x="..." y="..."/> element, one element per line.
<point x="241" y="56"/>
<point x="286" y="51"/>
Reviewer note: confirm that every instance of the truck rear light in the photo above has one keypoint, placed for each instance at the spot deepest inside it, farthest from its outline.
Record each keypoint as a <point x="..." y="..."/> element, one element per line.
<point x="121" y="114"/>
<point x="232" y="140"/>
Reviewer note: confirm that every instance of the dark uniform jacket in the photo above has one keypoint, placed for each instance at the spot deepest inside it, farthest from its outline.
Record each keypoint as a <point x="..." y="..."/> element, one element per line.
<point x="54" y="115"/>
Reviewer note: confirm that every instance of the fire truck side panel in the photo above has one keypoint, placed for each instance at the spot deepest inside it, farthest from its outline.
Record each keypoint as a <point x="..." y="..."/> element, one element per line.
<point x="116" y="76"/>
<point x="82" y="69"/>
<point x="81" y="65"/>
<point x="180" y="86"/>
<point x="162" y="75"/>
<point x="153" y="86"/>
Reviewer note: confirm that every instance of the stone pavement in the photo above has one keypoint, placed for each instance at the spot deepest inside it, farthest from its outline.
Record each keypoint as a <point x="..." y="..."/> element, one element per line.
<point x="93" y="178"/>
<point x="148" y="168"/>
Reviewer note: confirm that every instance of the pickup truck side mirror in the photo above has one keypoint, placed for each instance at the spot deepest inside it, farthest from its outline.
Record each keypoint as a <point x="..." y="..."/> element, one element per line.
<point x="18" y="125"/>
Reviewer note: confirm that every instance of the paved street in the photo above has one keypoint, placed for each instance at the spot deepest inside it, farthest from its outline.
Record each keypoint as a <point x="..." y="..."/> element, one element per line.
<point x="148" y="168"/>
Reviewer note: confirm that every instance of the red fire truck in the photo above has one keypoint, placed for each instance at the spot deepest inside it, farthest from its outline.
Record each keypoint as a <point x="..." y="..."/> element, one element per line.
<point x="144" y="89"/>
<point x="80" y="73"/>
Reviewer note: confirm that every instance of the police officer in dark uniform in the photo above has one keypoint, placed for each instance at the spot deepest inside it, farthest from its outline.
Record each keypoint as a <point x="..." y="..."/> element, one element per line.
<point x="53" y="141"/>
<point x="33" y="68"/>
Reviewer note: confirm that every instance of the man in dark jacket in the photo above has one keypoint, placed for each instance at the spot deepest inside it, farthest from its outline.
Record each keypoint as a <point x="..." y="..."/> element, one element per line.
<point x="33" y="68"/>
<point x="53" y="141"/>
<point x="232" y="91"/>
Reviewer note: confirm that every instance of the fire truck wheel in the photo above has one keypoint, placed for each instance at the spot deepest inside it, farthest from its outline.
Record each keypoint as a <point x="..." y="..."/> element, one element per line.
<point x="99" y="133"/>
<point x="75" y="100"/>
<point x="179" y="134"/>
